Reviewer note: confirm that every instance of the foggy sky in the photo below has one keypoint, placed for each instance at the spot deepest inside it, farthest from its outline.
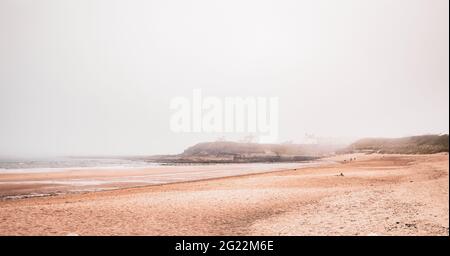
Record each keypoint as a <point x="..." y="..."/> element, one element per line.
<point x="80" y="77"/>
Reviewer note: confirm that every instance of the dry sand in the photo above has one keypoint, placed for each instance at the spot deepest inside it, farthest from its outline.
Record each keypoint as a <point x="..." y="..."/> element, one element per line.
<point x="378" y="195"/>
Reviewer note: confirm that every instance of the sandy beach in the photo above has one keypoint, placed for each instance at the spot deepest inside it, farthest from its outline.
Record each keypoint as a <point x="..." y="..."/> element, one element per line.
<point x="38" y="182"/>
<point x="375" y="195"/>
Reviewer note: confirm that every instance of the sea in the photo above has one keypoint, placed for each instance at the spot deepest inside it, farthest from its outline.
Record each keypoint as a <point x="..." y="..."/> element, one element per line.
<point x="14" y="165"/>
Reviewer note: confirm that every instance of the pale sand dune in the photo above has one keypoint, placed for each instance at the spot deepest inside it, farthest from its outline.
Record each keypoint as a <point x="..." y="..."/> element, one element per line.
<point x="378" y="195"/>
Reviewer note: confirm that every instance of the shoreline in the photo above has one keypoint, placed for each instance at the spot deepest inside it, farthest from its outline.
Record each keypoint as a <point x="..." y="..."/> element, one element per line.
<point x="378" y="195"/>
<point x="63" y="181"/>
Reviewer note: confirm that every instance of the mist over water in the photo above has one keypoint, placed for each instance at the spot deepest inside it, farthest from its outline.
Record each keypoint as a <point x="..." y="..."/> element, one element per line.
<point x="47" y="164"/>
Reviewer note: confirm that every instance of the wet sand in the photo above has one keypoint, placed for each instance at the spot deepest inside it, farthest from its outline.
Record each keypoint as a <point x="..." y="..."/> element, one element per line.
<point x="377" y="195"/>
<point x="25" y="183"/>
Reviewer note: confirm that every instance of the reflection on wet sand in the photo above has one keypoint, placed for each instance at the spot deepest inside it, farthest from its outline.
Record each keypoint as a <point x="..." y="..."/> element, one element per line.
<point x="24" y="183"/>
